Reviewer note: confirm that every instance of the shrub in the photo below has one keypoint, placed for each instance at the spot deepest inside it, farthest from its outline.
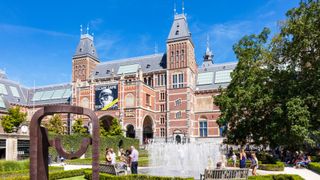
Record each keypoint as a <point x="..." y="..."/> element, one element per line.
<point x="103" y="176"/>
<point x="276" y="177"/>
<point x="314" y="167"/>
<point x="73" y="142"/>
<point x="65" y="174"/>
<point x="266" y="158"/>
<point x="279" y="166"/>
<point x="13" y="165"/>
<point x="315" y="158"/>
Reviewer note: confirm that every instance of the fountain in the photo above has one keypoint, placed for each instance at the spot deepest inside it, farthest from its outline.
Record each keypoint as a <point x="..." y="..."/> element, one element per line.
<point x="184" y="160"/>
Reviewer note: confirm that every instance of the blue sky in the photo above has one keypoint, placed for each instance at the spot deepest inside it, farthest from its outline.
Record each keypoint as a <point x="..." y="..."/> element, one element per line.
<point x="39" y="38"/>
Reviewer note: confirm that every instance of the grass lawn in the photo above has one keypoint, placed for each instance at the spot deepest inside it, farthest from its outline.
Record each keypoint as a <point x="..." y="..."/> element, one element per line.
<point x="74" y="178"/>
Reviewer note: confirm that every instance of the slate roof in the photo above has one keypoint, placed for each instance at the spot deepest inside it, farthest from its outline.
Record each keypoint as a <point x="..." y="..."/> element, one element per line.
<point x="86" y="47"/>
<point x="14" y="93"/>
<point x="149" y="63"/>
<point x="179" y="28"/>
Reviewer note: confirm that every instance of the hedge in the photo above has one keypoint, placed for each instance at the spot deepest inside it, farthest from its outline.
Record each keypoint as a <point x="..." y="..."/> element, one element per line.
<point x="314" y="167"/>
<point x="103" y="176"/>
<point x="25" y="172"/>
<point x="13" y="165"/>
<point x="279" y="166"/>
<point x="73" y="142"/>
<point x="276" y="177"/>
<point x="65" y="174"/>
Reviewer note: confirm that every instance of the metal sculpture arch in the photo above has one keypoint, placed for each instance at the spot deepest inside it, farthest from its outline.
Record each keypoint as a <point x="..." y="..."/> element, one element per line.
<point x="39" y="142"/>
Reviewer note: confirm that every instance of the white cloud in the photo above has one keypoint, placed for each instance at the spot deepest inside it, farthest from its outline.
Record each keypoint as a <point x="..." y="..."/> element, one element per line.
<point x="9" y="28"/>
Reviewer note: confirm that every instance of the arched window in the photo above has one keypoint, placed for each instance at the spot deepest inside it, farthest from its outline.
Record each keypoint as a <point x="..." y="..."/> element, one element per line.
<point x="172" y="53"/>
<point x="177" y="32"/>
<point x="182" y="55"/>
<point x="177" y="56"/>
<point x="129" y="100"/>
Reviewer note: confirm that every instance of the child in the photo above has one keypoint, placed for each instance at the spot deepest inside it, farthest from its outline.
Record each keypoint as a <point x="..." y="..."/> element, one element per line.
<point x="234" y="159"/>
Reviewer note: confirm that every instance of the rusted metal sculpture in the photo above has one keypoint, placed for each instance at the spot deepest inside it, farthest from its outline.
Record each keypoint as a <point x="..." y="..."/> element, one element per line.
<point x="39" y="142"/>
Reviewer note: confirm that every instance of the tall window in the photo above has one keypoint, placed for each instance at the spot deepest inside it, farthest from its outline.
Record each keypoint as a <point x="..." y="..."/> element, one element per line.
<point x="177" y="80"/>
<point x="182" y="55"/>
<point x="162" y="132"/>
<point x="178" y="115"/>
<point x="148" y="100"/>
<point x="161" y="79"/>
<point x="203" y="129"/>
<point x="161" y="119"/>
<point x="162" y="107"/>
<point x="172" y="56"/>
<point x="178" y="102"/>
<point x="177" y="56"/>
<point x="162" y="96"/>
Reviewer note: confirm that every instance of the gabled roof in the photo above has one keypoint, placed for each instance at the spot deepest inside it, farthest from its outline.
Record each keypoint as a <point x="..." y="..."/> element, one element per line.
<point x="179" y="28"/>
<point x="149" y="63"/>
<point x="86" y="47"/>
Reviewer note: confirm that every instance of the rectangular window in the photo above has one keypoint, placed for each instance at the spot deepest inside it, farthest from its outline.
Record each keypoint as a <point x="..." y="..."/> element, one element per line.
<point x="162" y="107"/>
<point x="178" y="102"/>
<point x="148" y="100"/>
<point x="175" y="81"/>
<point x="180" y="80"/>
<point x="162" y="96"/>
<point x="162" y="132"/>
<point x="161" y="119"/>
<point x="161" y="79"/>
<point x="178" y="115"/>
<point x="203" y="129"/>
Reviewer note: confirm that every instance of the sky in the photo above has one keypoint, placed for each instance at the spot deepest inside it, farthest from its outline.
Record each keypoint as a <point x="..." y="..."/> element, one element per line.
<point x="39" y="38"/>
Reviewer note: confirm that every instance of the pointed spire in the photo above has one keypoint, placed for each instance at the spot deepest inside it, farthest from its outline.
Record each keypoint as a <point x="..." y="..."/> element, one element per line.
<point x="182" y="6"/>
<point x="208" y="56"/>
<point x="174" y="8"/>
<point x="88" y="28"/>
<point x="208" y="44"/>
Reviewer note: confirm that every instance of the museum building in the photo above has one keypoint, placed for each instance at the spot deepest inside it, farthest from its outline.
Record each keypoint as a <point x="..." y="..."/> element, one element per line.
<point x="164" y="97"/>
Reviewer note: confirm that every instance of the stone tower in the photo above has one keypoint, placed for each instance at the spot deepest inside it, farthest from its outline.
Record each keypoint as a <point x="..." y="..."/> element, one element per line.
<point x="85" y="59"/>
<point x="181" y="74"/>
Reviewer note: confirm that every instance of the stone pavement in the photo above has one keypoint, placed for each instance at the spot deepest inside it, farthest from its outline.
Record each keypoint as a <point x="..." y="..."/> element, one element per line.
<point x="304" y="173"/>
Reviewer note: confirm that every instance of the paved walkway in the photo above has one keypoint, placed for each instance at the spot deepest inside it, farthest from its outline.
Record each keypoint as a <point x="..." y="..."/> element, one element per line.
<point x="304" y="173"/>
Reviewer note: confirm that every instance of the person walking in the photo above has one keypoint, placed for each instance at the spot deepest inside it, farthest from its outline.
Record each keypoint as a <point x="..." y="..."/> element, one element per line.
<point x="243" y="158"/>
<point x="254" y="164"/>
<point x="134" y="156"/>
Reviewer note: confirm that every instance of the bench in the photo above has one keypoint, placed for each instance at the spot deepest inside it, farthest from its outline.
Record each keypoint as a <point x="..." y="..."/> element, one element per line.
<point x="240" y="174"/>
<point x="111" y="169"/>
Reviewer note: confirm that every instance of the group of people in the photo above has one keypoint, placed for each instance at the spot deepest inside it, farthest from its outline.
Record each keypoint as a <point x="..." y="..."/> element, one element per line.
<point x="128" y="158"/>
<point x="243" y="157"/>
<point x="298" y="159"/>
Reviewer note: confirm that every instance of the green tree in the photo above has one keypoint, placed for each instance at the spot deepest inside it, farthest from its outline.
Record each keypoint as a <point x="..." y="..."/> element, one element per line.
<point x="273" y="98"/>
<point x="113" y="130"/>
<point x="55" y="124"/>
<point x="78" y="127"/>
<point x="13" y="119"/>
<point x="243" y="103"/>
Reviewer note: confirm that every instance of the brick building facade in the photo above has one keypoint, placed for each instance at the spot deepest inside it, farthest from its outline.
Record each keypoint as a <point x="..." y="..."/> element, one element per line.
<point x="164" y="96"/>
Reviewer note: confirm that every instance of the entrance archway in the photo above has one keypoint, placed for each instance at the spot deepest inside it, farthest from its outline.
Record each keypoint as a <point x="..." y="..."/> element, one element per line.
<point x="178" y="139"/>
<point x="147" y="128"/>
<point x="131" y="133"/>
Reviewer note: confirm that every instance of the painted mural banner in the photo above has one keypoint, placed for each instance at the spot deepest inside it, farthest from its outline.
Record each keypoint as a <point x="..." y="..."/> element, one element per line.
<point x="106" y="97"/>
